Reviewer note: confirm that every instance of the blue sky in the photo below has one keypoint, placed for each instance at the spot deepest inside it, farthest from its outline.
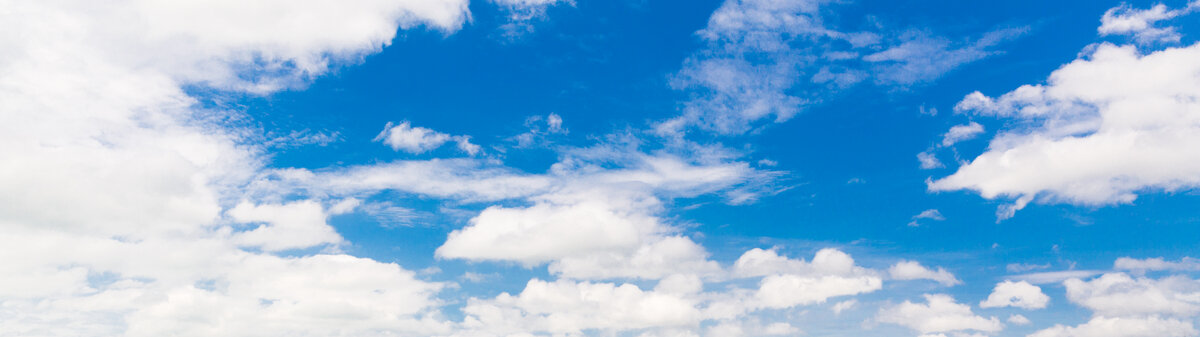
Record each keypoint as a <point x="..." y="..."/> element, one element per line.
<point x="582" y="168"/>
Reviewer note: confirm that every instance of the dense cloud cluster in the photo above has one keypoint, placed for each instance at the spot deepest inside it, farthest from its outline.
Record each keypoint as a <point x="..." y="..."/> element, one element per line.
<point x="130" y="209"/>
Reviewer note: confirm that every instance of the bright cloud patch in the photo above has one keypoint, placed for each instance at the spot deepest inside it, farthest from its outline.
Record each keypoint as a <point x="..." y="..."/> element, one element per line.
<point x="912" y="270"/>
<point x="417" y="140"/>
<point x="939" y="314"/>
<point x="1103" y="129"/>
<point x="1016" y="294"/>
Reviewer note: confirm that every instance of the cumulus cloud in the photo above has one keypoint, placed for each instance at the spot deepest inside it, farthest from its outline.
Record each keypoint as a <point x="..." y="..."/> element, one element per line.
<point x="107" y="153"/>
<point x="913" y="270"/>
<point x="1127" y="306"/>
<point x="295" y="225"/>
<point x="1123" y="327"/>
<point x="1126" y="20"/>
<point x="1016" y="294"/>
<point x="939" y="314"/>
<point x="790" y="282"/>
<point x="418" y="140"/>
<point x="569" y="307"/>
<point x="1101" y="130"/>
<point x="1118" y="294"/>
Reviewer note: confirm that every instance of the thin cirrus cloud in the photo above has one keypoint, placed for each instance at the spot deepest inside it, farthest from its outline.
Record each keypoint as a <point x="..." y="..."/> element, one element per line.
<point x="768" y="59"/>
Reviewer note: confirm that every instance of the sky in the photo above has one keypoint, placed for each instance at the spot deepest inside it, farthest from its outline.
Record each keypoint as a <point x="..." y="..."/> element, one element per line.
<point x="599" y="168"/>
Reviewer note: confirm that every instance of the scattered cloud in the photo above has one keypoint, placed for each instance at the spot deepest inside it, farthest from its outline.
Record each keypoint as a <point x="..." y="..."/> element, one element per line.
<point x="1103" y="128"/>
<point x="959" y="133"/>
<point x="769" y="60"/>
<point x="1126" y="20"/>
<point x="929" y="160"/>
<point x="930" y="214"/>
<point x="1016" y="319"/>
<point x="1156" y="264"/>
<point x="939" y="314"/>
<point x="418" y="140"/>
<point x="912" y="270"/>
<point x="1016" y="294"/>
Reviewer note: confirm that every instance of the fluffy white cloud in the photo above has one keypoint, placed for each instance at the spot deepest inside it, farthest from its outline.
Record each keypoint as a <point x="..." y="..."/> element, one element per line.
<point x="654" y="260"/>
<point x="599" y="224"/>
<point x="787" y="290"/>
<point x="1123" y="327"/>
<point x="569" y="307"/>
<point x="789" y="282"/>
<point x="1016" y="294"/>
<point x="1125" y="306"/>
<point x="960" y="133"/>
<point x="288" y="226"/>
<point x="1140" y="23"/>
<point x="1016" y="319"/>
<point x="546" y="232"/>
<point x="913" y="270"/>
<point x="1104" y="127"/>
<point x="1118" y="294"/>
<point x="940" y="314"/>
<point x="107" y="154"/>
<point x="418" y="140"/>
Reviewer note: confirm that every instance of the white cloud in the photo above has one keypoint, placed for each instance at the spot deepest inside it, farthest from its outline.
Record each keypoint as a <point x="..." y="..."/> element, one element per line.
<point x="664" y="257"/>
<point x="569" y="307"/>
<point x="931" y="214"/>
<point x="929" y="160"/>
<point x="1156" y="264"/>
<point x="1016" y="294"/>
<point x="1054" y="276"/>
<point x="540" y="130"/>
<point x="1016" y="319"/>
<point x="789" y="282"/>
<point x="1118" y="295"/>
<point x="922" y="58"/>
<point x="523" y="13"/>
<point x="295" y="225"/>
<point x="785" y="291"/>
<point x="418" y="140"/>
<point x="960" y="133"/>
<point x="768" y="60"/>
<point x="111" y="157"/>
<point x="1124" y="306"/>
<point x="1123" y="327"/>
<point x="546" y="232"/>
<point x="1125" y="20"/>
<point x="912" y="270"/>
<point x="1024" y="267"/>
<point x="839" y="307"/>
<point x="940" y="314"/>
<point x="1103" y="129"/>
